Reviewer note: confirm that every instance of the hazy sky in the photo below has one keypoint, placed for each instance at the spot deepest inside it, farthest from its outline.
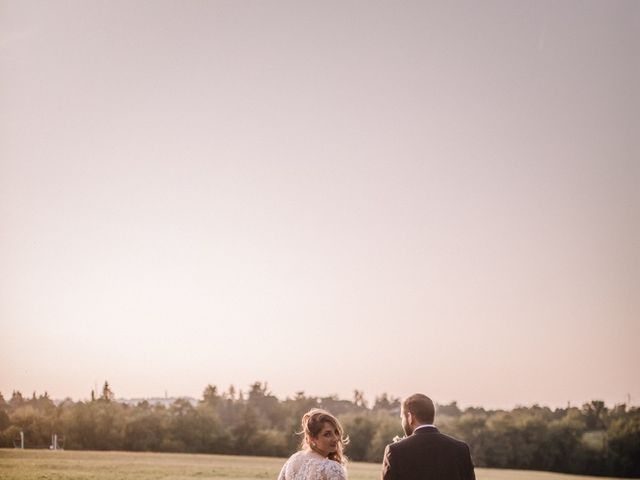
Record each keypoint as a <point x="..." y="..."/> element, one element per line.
<point x="390" y="196"/>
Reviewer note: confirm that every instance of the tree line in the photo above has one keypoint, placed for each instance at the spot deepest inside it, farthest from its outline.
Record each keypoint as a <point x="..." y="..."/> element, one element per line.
<point x="592" y="439"/>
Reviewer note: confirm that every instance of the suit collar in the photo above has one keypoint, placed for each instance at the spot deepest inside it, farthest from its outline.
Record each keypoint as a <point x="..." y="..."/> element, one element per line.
<point x="425" y="429"/>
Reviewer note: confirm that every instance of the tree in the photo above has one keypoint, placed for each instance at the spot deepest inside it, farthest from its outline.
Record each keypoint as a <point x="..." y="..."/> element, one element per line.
<point x="595" y="414"/>
<point x="145" y="431"/>
<point x="230" y="393"/>
<point x="244" y="431"/>
<point x="16" y="399"/>
<point x="387" y="427"/>
<point x="191" y="429"/>
<point x="210" y="396"/>
<point x="384" y="402"/>
<point x="624" y="444"/>
<point x="107" y="393"/>
<point x="360" y="429"/>
<point x="258" y="390"/>
<point x="4" y="420"/>
<point x="587" y="440"/>
<point x="451" y="409"/>
<point x="358" y="399"/>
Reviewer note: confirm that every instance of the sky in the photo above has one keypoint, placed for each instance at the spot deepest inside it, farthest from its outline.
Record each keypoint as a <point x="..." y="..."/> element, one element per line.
<point x="436" y="197"/>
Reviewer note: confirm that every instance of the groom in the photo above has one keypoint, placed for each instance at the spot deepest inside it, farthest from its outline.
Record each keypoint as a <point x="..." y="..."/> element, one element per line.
<point x="425" y="453"/>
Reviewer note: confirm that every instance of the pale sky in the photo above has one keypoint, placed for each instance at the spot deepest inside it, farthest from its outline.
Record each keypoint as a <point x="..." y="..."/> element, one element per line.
<point x="391" y="196"/>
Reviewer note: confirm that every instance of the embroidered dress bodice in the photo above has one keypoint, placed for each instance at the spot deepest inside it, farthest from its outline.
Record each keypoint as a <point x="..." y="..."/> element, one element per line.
<point x="308" y="465"/>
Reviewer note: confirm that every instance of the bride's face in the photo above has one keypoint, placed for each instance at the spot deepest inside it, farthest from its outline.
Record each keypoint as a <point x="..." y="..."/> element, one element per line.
<point x="327" y="440"/>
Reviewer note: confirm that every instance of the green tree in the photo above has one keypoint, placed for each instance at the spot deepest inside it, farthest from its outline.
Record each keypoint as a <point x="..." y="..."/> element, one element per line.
<point x="4" y="420"/>
<point x="145" y="429"/>
<point x="386" y="428"/>
<point x="624" y="444"/>
<point x="360" y="428"/>
<point x="595" y="414"/>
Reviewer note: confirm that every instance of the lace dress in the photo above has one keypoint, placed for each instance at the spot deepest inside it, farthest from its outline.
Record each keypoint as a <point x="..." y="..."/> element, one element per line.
<point x="308" y="465"/>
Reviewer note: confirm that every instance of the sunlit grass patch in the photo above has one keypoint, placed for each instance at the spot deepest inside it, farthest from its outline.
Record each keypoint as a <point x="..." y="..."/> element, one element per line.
<point x="76" y="465"/>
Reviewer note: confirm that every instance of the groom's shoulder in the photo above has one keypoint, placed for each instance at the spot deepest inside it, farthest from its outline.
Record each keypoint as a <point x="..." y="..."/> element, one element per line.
<point x="452" y="440"/>
<point x="404" y="443"/>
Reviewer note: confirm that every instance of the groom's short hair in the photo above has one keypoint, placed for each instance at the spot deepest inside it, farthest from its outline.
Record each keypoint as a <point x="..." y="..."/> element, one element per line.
<point x="420" y="407"/>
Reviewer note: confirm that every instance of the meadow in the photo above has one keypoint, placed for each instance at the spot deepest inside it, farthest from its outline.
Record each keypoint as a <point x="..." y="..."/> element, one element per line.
<point x="54" y="465"/>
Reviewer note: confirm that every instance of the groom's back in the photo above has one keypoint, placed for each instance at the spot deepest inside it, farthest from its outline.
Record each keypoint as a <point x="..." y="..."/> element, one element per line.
<point x="429" y="455"/>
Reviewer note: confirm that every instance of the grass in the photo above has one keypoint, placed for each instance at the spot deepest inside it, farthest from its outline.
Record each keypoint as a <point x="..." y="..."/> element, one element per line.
<point x="76" y="465"/>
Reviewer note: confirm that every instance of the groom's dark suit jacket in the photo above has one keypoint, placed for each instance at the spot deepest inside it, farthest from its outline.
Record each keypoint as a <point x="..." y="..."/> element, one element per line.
<point x="427" y="455"/>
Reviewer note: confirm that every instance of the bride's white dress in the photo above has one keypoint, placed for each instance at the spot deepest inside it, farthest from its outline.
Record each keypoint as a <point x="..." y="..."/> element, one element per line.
<point x="308" y="465"/>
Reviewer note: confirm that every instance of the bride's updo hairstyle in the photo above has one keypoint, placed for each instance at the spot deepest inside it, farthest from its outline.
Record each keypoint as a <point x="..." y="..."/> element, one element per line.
<point x="312" y="423"/>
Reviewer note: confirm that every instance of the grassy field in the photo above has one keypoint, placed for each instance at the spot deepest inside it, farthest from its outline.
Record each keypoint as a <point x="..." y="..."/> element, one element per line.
<point x="76" y="465"/>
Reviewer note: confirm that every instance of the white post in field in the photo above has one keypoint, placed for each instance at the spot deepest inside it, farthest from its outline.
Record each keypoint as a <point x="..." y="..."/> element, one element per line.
<point x="21" y="440"/>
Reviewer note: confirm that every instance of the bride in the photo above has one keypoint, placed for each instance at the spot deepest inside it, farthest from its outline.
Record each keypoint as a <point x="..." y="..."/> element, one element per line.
<point x="320" y="457"/>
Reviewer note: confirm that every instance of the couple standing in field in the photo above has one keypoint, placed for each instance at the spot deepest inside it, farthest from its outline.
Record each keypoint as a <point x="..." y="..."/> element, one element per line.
<point x="424" y="454"/>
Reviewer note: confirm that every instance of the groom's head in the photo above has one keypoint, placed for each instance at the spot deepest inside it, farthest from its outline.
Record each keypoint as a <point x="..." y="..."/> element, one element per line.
<point x="418" y="409"/>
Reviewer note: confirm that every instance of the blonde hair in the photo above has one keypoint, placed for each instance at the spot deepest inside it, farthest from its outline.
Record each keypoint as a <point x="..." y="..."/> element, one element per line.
<point x="312" y="423"/>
